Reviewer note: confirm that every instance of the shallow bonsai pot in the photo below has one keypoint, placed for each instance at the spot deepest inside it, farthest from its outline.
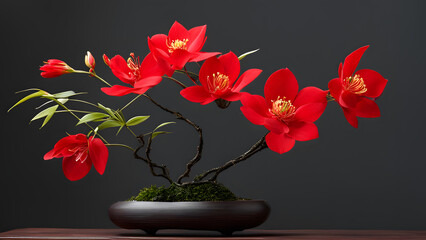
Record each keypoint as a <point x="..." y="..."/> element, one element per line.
<point x="225" y="217"/>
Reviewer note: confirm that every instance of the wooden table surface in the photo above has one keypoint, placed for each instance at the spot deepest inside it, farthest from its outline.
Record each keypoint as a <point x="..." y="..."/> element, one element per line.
<point x="64" y="233"/>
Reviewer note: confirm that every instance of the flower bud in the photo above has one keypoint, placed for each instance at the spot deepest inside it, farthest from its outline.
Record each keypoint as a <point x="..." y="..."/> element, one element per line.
<point x="90" y="60"/>
<point x="54" y="68"/>
<point x="106" y="59"/>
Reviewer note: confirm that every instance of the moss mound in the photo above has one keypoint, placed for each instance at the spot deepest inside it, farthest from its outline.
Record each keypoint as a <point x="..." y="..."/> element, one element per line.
<point x="192" y="192"/>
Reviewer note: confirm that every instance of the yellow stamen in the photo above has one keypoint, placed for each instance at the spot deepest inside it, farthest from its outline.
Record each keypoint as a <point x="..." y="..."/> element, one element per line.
<point x="219" y="82"/>
<point x="282" y="109"/>
<point x="355" y="84"/>
<point x="176" y="44"/>
<point x="134" y="65"/>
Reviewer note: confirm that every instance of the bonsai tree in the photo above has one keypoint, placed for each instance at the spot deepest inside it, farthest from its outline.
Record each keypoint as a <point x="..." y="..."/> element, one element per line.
<point x="287" y="112"/>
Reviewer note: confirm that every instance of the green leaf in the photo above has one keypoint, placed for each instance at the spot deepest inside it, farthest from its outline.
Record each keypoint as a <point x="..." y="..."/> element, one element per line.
<point x="48" y="113"/>
<point x="32" y="95"/>
<point x="120" y="116"/>
<point x="154" y="134"/>
<point x="108" y="110"/>
<point x="92" y="117"/>
<point x="247" y="53"/>
<point x="61" y="100"/>
<point x="136" y="120"/>
<point x="119" y="129"/>
<point x="66" y="94"/>
<point x="45" y="112"/>
<point x="162" y="125"/>
<point x="108" y="124"/>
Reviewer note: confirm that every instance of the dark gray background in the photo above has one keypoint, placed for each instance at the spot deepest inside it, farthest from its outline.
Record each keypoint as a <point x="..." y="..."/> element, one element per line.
<point x="367" y="178"/>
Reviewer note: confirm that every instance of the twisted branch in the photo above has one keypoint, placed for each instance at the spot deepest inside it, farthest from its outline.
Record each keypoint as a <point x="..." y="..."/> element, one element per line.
<point x="164" y="171"/>
<point x="197" y="156"/>
<point x="257" y="147"/>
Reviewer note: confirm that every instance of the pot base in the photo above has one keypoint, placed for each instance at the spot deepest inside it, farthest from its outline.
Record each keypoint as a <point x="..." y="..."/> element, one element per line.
<point x="225" y="217"/>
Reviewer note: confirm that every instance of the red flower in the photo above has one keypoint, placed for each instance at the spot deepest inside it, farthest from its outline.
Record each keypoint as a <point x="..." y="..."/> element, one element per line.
<point x="285" y="112"/>
<point x="352" y="91"/>
<point x="78" y="154"/>
<point x="217" y="78"/>
<point x="54" y="68"/>
<point x="140" y="76"/>
<point x="180" y="46"/>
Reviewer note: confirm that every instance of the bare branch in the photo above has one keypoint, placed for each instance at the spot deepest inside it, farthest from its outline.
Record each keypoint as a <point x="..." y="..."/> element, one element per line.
<point x="257" y="147"/>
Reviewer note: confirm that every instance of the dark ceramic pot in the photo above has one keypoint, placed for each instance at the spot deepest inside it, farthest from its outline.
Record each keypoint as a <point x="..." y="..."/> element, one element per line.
<point x="225" y="217"/>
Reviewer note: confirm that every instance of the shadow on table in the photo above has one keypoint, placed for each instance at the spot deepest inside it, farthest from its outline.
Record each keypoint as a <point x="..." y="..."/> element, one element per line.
<point x="196" y="233"/>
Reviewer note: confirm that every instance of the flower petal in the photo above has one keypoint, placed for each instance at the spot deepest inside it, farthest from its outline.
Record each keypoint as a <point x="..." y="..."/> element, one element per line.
<point x="179" y="58"/>
<point x="177" y="31"/>
<point x="350" y="117"/>
<point x="303" y="131"/>
<point x="120" y="69"/>
<point x="253" y="116"/>
<point x="158" y="41"/>
<point x="231" y="96"/>
<point x="148" y="82"/>
<point x="76" y="170"/>
<point x="310" y="112"/>
<point x="351" y="62"/>
<point x="210" y="66"/>
<point x="281" y="83"/>
<point x="335" y="87"/>
<point x="275" y="125"/>
<point x="208" y="100"/>
<point x="196" y="37"/>
<point x="201" y="56"/>
<point x="367" y="108"/>
<point x="151" y="67"/>
<point x="374" y="82"/>
<point x="98" y="154"/>
<point x="310" y="95"/>
<point x="279" y="143"/>
<point x="118" y="90"/>
<point x="348" y="99"/>
<point x="61" y="147"/>
<point x="246" y="78"/>
<point x="257" y="103"/>
<point x="231" y="66"/>
<point x="196" y="94"/>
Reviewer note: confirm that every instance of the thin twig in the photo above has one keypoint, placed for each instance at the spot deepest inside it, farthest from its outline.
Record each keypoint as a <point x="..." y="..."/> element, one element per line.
<point x="176" y="81"/>
<point x="165" y="173"/>
<point x="257" y="147"/>
<point x="187" y="74"/>
<point x="197" y="156"/>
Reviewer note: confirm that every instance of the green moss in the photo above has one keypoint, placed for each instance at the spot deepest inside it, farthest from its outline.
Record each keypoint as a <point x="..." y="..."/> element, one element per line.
<point x="193" y="192"/>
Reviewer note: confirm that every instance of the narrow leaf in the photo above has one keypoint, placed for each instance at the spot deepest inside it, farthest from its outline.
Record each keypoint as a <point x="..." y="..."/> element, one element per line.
<point x="29" y="89"/>
<point x="108" y="110"/>
<point x="108" y="124"/>
<point x="247" y="53"/>
<point x="119" y="130"/>
<point x="120" y="116"/>
<point x="92" y="117"/>
<point x="64" y="94"/>
<point x="61" y="100"/>
<point x="154" y="134"/>
<point x="136" y="120"/>
<point x="32" y="95"/>
<point x="49" y="116"/>
<point x="46" y="112"/>
<point x="162" y="125"/>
